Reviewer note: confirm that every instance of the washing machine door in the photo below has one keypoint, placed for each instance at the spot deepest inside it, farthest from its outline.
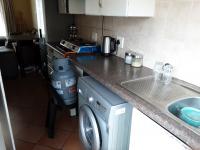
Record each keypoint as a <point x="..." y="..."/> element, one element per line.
<point x="89" y="131"/>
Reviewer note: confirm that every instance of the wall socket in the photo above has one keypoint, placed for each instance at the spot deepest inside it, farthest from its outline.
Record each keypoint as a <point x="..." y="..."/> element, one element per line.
<point x="121" y="40"/>
<point x="94" y="36"/>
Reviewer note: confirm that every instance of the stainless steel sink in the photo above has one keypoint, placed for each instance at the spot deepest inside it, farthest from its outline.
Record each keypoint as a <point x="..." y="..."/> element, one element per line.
<point x="157" y="93"/>
<point x="176" y="106"/>
<point x="169" y="98"/>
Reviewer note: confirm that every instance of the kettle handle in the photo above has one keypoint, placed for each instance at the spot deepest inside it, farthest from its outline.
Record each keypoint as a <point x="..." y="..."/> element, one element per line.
<point x="114" y="45"/>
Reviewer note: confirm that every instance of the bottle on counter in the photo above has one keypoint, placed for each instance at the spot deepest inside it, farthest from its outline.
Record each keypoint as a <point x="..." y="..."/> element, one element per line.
<point x="128" y="57"/>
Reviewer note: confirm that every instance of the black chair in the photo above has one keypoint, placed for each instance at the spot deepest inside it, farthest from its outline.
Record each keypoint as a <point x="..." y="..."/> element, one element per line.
<point x="55" y="103"/>
<point x="28" y="55"/>
<point x="8" y="63"/>
<point x="2" y="42"/>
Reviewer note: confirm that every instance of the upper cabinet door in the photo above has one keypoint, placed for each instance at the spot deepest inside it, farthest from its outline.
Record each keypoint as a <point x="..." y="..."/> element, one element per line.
<point x="76" y="6"/>
<point x="93" y="7"/>
<point x="141" y="8"/>
<point x="114" y="8"/>
<point x="71" y="6"/>
<point x="126" y="8"/>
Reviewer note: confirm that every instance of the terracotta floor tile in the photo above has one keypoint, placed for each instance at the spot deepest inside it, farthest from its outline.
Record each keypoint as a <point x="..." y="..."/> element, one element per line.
<point x="21" y="145"/>
<point x="40" y="147"/>
<point x="64" y="113"/>
<point x="17" y="126"/>
<point x="27" y="102"/>
<point x="25" y="115"/>
<point x="39" y="118"/>
<point x="67" y="124"/>
<point x="73" y="143"/>
<point x="56" y="142"/>
<point x="31" y="134"/>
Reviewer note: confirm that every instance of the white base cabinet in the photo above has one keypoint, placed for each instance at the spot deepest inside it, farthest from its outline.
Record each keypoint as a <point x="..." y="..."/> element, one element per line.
<point x="148" y="135"/>
<point x="128" y="8"/>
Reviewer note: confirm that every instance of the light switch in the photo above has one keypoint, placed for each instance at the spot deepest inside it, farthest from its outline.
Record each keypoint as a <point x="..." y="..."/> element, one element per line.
<point x="94" y="36"/>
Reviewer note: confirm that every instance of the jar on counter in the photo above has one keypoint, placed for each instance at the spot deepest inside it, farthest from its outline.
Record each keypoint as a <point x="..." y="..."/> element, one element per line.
<point x="137" y="60"/>
<point x="128" y="58"/>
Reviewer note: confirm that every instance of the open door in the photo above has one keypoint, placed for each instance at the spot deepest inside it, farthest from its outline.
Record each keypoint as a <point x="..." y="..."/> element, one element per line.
<point x="6" y="134"/>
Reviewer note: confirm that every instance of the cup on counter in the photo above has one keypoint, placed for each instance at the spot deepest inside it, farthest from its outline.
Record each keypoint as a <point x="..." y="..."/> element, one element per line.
<point x="167" y="73"/>
<point x="158" y="70"/>
<point x="163" y="72"/>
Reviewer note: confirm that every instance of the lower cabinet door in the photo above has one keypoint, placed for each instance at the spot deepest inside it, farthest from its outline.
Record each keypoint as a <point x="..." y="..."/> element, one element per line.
<point x="147" y="135"/>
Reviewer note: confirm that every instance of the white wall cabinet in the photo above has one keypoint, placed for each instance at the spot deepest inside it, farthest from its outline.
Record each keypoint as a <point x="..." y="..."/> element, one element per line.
<point x="137" y="8"/>
<point x="93" y="7"/>
<point x="147" y="135"/>
<point x="71" y="6"/>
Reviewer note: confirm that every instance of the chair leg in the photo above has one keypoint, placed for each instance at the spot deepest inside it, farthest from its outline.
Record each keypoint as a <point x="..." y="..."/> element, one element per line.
<point x="48" y="114"/>
<point x="77" y="112"/>
<point x="22" y="71"/>
<point x="51" y="119"/>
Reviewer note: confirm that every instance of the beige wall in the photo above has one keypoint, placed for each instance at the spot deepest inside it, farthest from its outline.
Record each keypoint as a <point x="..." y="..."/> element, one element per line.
<point x="23" y="15"/>
<point x="173" y="35"/>
<point x="34" y="13"/>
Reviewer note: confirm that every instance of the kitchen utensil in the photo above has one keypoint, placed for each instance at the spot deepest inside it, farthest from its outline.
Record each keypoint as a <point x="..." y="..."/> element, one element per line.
<point x="72" y="29"/>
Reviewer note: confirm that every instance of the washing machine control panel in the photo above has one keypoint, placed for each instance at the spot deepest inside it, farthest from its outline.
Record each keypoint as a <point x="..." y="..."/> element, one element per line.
<point x="100" y="106"/>
<point x="96" y="104"/>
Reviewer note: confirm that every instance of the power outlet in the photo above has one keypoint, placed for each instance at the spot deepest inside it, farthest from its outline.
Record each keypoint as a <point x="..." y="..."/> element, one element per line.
<point x="94" y="36"/>
<point x="121" y="40"/>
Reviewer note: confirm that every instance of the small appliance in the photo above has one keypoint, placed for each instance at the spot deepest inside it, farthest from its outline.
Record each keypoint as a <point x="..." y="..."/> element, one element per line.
<point x="104" y="118"/>
<point x="109" y="45"/>
<point x="79" y="46"/>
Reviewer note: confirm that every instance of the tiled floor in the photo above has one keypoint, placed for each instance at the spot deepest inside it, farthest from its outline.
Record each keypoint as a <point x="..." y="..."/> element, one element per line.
<point x="27" y="102"/>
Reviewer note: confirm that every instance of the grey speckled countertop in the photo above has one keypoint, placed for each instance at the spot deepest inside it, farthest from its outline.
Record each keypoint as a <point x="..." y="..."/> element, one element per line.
<point x="111" y="71"/>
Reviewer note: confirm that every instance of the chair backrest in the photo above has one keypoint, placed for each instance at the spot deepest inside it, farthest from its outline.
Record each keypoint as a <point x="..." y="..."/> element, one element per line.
<point x="2" y="42"/>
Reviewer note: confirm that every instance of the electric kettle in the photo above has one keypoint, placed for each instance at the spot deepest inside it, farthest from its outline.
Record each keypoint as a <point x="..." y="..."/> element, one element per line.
<point x="109" y="45"/>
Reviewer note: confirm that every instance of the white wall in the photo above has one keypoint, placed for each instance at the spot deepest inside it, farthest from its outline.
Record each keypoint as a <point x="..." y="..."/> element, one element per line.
<point x="34" y="13"/>
<point x="173" y="35"/>
<point x="23" y="15"/>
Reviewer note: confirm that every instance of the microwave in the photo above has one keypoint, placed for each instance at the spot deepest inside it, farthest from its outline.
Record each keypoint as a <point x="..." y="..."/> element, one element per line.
<point x="71" y="6"/>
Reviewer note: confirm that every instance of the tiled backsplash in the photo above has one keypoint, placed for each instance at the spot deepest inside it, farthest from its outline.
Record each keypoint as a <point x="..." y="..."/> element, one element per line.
<point x="173" y="35"/>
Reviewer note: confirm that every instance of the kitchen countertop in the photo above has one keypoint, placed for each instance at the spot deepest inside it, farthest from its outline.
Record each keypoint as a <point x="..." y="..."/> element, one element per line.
<point x="112" y="71"/>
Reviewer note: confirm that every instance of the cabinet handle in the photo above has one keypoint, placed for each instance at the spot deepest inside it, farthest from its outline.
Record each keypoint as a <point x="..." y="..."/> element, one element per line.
<point x="100" y="3"/>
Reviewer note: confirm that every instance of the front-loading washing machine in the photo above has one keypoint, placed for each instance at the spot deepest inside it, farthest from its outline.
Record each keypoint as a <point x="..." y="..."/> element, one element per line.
<point x="104" y="117"/>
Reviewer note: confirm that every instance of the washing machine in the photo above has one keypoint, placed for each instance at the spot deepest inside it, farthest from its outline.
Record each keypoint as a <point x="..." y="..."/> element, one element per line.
<point x="104" y="117"/>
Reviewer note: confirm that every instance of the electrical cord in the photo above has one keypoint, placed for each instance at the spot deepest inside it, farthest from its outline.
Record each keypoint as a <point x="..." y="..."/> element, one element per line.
<point x="102" y="28"/>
